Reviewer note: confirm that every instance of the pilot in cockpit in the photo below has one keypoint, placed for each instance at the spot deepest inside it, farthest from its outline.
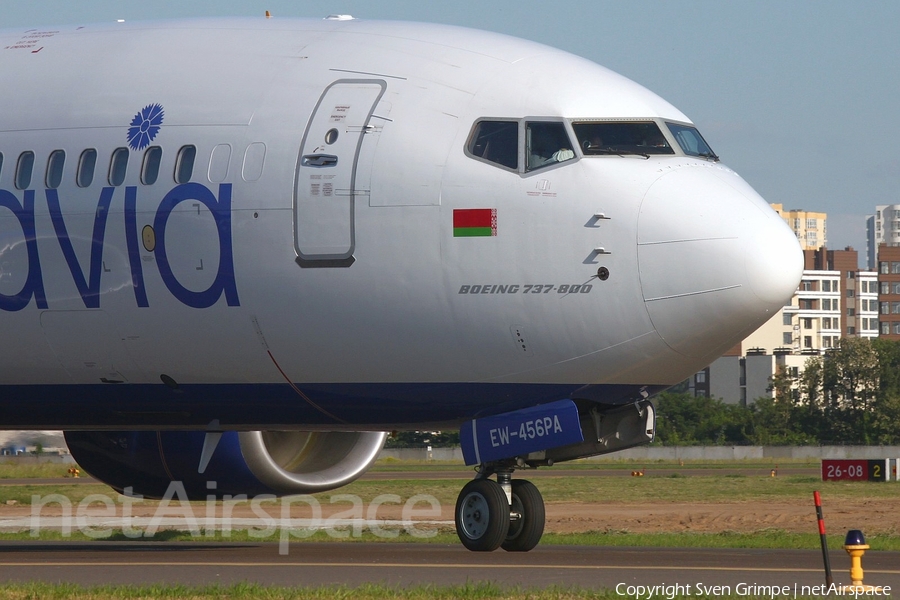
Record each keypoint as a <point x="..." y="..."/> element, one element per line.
<point x="655" y="139"/>
<point x="592" y="145"/>
<point x="547" y="146"/>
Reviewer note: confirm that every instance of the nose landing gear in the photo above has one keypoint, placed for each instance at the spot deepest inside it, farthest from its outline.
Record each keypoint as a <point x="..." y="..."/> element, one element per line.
<point x="503" y="513"/>
<point x="482" y="515"/>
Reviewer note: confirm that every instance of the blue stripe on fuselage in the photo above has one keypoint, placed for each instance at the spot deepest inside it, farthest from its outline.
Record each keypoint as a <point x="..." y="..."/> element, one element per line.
<point x="268" y="406"/>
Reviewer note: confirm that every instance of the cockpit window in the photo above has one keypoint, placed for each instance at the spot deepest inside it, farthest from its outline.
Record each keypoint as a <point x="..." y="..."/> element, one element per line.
<point x="691" y="142"/>
<point x="496" y="142"/>
<point x="618" y="138"/>
<point x="546" y="143"/>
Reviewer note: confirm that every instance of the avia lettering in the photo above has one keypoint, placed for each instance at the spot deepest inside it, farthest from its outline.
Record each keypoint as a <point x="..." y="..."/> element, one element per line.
<point x="87" y="281"/>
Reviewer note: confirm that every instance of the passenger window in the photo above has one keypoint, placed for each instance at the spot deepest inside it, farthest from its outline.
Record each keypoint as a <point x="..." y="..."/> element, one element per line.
<point x="218" y="163"/>
<point x="24" y="168"/>
<point x="184" y="164"/>
<point x="618" y="138"/>
<point x="118" y="164"/>
<point x="546" y="144"/>
<point x="55" y="165"/>
<point x="254" y="161"/>
<point x="150" y="168"/>
<point x="86" y="163"/>
<point x="496" y="142"/>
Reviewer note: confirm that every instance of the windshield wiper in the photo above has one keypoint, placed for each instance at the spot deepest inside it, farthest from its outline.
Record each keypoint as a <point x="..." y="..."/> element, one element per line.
<point x="618" y="152"/>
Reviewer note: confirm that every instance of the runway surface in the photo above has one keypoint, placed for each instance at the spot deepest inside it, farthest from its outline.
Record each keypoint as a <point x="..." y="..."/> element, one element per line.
<point x="356" y="563"/>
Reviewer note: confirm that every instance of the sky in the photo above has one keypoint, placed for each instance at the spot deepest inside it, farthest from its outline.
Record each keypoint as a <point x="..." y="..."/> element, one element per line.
<point x="801" y="98"/>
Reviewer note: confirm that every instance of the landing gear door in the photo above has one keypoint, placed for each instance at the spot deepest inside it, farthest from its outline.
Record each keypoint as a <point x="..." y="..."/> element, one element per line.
<point x="325" y="183"/>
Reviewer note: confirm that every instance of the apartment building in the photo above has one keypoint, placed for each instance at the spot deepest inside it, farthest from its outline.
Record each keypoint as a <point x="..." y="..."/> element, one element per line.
<point x="882" y="228"/>
<point x="834" y="299"/>
<point x="889" y="291"/>
<point x="808" y="226"/>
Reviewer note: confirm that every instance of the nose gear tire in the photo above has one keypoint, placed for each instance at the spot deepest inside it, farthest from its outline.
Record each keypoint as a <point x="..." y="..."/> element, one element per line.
<point x="482" y="515"/>
<point x="526" y="531"/>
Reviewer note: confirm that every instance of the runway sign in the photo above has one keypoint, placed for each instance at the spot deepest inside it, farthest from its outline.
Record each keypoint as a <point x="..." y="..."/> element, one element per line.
<point x="854" y="470"/>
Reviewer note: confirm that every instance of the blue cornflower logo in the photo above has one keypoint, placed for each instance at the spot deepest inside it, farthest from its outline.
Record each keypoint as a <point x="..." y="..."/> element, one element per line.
<point x="145" y="126"/>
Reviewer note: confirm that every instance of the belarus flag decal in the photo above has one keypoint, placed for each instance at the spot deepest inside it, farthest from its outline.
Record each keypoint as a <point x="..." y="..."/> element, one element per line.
<point x="474" y="222"/>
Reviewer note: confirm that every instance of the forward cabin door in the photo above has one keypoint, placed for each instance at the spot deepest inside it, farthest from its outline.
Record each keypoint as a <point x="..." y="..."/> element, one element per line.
<point x="325" y="184"/>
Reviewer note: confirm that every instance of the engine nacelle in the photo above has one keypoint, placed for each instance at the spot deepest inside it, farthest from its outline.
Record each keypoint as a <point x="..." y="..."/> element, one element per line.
<point x="251" y="463"/>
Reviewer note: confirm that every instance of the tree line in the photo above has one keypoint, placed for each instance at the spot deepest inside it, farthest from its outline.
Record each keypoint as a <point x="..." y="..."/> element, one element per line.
<point x="849" y="395"/>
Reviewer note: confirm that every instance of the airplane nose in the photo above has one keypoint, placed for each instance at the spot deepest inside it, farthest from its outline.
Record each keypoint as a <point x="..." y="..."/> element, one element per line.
<point x="716" y="261"/>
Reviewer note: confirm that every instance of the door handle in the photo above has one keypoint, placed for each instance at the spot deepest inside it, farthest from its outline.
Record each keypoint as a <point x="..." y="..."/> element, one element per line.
<point x="319" y="160"/>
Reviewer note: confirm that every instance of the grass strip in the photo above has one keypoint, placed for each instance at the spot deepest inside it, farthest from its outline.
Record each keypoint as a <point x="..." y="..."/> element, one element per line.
<point x="42" y="470"/>
<point x="18" y="469"/>
<point x="672" y="488"/>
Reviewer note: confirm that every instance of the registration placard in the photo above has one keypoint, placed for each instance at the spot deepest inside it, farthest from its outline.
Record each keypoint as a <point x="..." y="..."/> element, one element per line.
<point x="520" y="432"/>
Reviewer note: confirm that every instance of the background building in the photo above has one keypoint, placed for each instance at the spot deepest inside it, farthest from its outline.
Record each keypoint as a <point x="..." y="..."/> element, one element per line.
<point x="845" y="262"/>
<point x="889" y="291"/>
<point x="882" y="228"/>
<point x="809" y="227"/>
<point x="834" y="300"/>
<point x="867" y="304"/>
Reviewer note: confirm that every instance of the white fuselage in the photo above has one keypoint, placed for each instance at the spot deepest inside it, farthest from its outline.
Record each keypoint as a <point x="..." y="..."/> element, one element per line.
<point x="108" y="288"/>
